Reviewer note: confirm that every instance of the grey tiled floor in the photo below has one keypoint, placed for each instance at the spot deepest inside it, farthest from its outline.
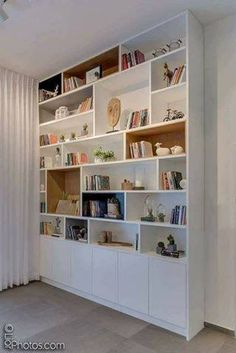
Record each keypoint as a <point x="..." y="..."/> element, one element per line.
<point x="42" y="313"/>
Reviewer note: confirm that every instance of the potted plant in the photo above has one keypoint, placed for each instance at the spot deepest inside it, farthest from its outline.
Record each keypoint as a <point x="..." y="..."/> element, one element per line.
<point x="103" y="156"/>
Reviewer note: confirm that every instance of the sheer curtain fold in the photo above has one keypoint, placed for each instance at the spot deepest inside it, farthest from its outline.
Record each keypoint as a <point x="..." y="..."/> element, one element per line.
<point x="19" y="180"/>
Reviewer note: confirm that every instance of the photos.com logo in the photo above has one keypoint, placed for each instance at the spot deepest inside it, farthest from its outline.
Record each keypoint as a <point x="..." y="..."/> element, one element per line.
<point x="10" y="344"/>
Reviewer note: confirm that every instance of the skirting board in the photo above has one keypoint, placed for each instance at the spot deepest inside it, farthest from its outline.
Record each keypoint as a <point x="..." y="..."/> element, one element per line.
<point x="165" y="325"/>
<point x="221" y="329"/>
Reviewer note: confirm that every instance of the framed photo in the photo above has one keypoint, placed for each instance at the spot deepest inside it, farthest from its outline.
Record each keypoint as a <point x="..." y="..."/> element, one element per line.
<point x="94" y="74"/>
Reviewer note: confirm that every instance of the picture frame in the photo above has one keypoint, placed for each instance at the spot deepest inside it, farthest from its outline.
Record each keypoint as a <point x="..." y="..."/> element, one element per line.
<point x="94" y="74"/>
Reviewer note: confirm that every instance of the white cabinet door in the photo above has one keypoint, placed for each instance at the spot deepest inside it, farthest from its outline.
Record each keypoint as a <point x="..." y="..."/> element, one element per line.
<point x="81" y="267"/>
<point x="133" y="282"/>
<point x="61" y="253"/>
<point x="167" y="292"/>
<point x="105" y="274"/>
<point x="45" y="257"/>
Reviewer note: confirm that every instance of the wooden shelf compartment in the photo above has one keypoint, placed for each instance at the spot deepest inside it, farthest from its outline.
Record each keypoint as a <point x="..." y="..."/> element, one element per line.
<point x="157" y="37"/>
<point x="109" y="61"/>
<point x="60" y="182"/>
<point x="168" y="134"/>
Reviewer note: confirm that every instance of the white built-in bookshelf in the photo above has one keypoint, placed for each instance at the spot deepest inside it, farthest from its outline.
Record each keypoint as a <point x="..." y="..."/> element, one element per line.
<point x="134" y="279"/>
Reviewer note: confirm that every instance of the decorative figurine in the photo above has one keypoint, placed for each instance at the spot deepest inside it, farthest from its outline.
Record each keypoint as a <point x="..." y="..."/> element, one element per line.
<point x="61" y="112"/>
<point x="113" y="113"/>
<point x="148" y="210"/>
<point x="57" y="226"/>
<point x="177" y="150"/>
<point x="161" y="151"/>
<point x="173" y="115"/>
<point x="62" y="139"/>
<point x="183" y="184"/>
<point x="168" y="74"/>
<point x="158" y="52"/>
<point x="160" y="247"/>
<point x="171" y="246"/>
<point x="58" y="157"/>
<point x="127" y="185"/>
<point x="161" y="213"/>
<point x="72" y="136"/>
<point x="84" y="132"/>
<point x="174" y="44"/>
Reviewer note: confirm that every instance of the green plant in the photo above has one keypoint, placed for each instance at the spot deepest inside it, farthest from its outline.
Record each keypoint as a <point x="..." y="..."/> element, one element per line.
<point x="104" y="155"/>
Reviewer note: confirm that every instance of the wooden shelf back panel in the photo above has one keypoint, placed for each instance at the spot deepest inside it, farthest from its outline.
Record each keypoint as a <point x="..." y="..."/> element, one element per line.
<point x="169" y="136"/>
<point x="109" y="61"/>
<point x="59" y="182"/>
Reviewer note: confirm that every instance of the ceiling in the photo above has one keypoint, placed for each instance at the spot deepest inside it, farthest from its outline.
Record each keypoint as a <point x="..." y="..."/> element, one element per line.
<point x="42" y="37"/>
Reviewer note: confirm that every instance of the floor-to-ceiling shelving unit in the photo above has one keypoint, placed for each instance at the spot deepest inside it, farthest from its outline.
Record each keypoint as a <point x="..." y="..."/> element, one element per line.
<point x="133" y="279"/>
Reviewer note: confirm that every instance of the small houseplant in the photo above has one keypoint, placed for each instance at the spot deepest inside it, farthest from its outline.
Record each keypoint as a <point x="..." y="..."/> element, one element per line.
<point x="103" y="156"/>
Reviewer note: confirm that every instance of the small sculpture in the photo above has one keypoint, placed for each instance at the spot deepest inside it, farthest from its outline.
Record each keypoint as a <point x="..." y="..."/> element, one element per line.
<point x="127" y="185"/>
<point x="171" y="246"/>
<point x="62" y="139"/>
<point x="57" y="226"/>
<point x="168" y="74"/>
<point x="58" y="157"/>
<point x="161" y="213"/>
<point x="173" y="115"/>
<point x="148" y="210"/>
<point x="183" y="184"/>
<point x="84" y="132"/>
<point x="113" y="113"/>
<point x="161" y="151"/>
<point x="160" y="247"/>
<point x="177" y="150"/>
<point x="72" y="136"/>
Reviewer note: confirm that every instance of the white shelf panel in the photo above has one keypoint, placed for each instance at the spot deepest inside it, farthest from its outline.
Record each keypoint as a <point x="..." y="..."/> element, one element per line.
<point x="172" y="93"/>
<point x="65" y="123"/>
<point x="162" y="225"/>
<point x="129" y="249"/>
<point x="134" y="191"/>
<point x="182" y="259"/>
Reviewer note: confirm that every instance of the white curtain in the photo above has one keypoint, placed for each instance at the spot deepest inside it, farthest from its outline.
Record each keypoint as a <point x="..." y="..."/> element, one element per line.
<point x="19" y="180"/>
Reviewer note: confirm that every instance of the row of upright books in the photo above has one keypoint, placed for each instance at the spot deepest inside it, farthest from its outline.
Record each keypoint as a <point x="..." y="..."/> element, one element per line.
<point x="97" y="182"/>
<point x="86" y="105"/>
<point x="72" y="83"/>
<point x="76" y="232"/>
<point x="171" y="180"/>
<point x="178" y="215"/>
<point x="178" y="75"/>
<point x="48" y="139"/>
<point x="76" y="158"/>
<point x="142" y="149"/>
<point x="46" y="228"/>
<point x="132" y="58"/>
<point x="137" y="119"/>
<point x="94" y="208"/>
<point x="42" y="207"/>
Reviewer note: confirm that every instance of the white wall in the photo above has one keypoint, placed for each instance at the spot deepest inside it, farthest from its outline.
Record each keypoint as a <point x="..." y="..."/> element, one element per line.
<point x="220" y="171"/>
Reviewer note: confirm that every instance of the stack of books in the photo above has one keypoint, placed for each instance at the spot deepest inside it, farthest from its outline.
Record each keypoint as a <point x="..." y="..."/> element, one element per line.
<point x="142" y="149"/>
<point x="132" y="58"/>
<point x="178" y="215"/>
<point x="94" y="208"/>
<point x="48" y="139"/>
<point x="137" y="119"/>
<point x="97" y="182"/>
<point x="46" y="228"/>
<point x="171" y="180"/>
<point x="74" y="233"/>
<point x="178" y="75"/>
<point x="72" y="83"/>
<point x="42" y="207"/>
<point x="76" y="158"/>
<point x="86" y="105"/>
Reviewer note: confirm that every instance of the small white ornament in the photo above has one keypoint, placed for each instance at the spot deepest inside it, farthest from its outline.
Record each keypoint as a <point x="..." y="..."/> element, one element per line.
<point x="161" y="151"/>
<point x="177" y="150"/>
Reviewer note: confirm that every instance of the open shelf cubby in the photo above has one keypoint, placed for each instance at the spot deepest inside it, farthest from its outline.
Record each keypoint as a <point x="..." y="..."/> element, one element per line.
<point x="168" y="134"/>
<point x="51" y="84"/>
<point x="59" y="184"/>
<point x="76" y="229"/>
